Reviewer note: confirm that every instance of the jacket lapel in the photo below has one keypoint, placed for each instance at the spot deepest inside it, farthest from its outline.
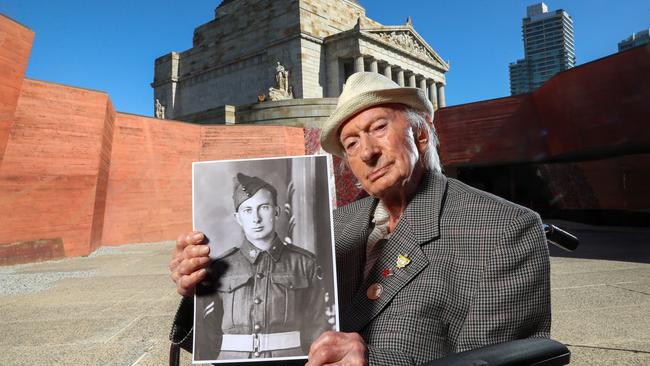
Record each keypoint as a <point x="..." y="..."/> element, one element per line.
<point x="419" y="225"/>
<point x="350" y="251"/>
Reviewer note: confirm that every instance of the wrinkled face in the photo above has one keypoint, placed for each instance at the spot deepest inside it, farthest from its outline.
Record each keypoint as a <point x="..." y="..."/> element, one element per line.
<point x="257" y="216"/>
<point x="381" y="150"/>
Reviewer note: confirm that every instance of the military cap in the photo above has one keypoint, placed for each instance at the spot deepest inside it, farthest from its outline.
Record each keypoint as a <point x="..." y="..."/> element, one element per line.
<point x="245" y="187"/>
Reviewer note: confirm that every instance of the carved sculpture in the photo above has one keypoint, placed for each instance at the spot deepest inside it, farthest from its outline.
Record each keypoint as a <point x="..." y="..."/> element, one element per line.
<point x="160" y="109"/>
<point x="282" y="90"/>
<point x="406" y="42"/>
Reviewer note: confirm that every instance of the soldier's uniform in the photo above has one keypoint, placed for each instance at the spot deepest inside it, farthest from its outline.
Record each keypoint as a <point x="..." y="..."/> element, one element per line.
<point x="262" y="303"/>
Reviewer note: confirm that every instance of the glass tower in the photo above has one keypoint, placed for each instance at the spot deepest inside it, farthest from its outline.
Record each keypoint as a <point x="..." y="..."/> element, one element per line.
<point x="548" y="48"/>
<point x="635" y="40"/>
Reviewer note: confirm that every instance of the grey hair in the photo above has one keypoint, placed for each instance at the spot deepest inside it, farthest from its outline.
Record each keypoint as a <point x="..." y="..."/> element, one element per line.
<point x="418" y="122"/>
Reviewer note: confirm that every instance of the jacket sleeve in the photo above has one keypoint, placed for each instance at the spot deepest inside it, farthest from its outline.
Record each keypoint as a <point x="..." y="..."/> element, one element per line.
<point x="513" y="299"/>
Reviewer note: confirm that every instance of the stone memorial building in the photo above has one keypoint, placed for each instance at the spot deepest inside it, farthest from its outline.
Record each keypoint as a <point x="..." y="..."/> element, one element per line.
<point x="285" y="61"/>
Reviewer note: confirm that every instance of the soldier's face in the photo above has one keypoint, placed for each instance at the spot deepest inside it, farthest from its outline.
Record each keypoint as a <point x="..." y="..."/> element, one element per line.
<point x="257" y="216"/>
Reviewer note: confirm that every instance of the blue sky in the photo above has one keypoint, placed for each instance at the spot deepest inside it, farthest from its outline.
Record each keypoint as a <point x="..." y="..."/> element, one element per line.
<point x="111" y="45"/>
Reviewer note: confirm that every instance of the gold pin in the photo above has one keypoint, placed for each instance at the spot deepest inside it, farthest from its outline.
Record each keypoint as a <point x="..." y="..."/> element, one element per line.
<point x="402" y="261"/>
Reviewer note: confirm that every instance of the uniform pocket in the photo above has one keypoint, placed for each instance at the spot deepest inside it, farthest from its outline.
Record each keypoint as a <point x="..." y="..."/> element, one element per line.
<point x="232" y="291"/>
<point x="288" y="287"/>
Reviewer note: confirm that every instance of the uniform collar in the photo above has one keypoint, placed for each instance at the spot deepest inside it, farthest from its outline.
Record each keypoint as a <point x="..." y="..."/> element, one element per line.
<point x="251" y="252"/>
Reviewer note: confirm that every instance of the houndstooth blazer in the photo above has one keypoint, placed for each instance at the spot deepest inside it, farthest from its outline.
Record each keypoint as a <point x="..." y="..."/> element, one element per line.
<point x="478" y="274"/>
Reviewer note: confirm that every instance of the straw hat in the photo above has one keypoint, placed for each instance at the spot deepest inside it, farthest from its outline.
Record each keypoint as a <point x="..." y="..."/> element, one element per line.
<point x="362" y="91"/>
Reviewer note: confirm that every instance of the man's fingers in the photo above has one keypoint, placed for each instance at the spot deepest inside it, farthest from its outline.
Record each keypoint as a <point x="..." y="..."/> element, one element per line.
<point x="189" y="266"/>
<point x="186" y="284"/>
<point x="196" y="250"/>
<point x="337" y="348"/>
<point x="176" y="260"/>
<point x="183" y="240"/>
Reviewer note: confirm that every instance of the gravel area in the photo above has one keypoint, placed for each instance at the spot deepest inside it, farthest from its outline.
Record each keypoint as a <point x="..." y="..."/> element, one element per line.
<point x="13" y="283"/>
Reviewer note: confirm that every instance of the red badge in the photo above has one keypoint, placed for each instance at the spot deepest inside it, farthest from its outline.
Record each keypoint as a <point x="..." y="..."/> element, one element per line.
<point x="387" y="272"/>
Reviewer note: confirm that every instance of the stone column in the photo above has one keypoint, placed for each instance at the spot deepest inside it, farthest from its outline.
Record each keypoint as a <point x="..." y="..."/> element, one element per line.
<point x="433" y="94"/>
<point x="441" y="95"/>
<point x="412" y="81"/>
<point x="423" y="85"/>
<point x="358" y="64"/>
<point x="373" y="66"/>
<point x="388" y="72"/>
<point x="333" y="76"/>
<point x="400" y="77"/>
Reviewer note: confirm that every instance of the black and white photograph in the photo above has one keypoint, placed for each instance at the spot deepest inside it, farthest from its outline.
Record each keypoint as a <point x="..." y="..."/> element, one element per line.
<point x="271" y="284"/>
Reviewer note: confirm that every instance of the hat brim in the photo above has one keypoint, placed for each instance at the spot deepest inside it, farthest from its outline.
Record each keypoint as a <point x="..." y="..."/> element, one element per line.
<point x="412" y="97"/>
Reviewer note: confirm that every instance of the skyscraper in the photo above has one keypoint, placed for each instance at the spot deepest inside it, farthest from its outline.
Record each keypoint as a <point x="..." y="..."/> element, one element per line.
<point x="548" y="48"/>
<point x="635" y="40"/>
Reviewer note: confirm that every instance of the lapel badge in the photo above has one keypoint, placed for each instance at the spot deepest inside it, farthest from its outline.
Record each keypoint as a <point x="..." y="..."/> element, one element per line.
<point x="252" y="253"/>
<point x="387" y="272"/>
<point x="402" y="261"/>
<point x="374" y="291"/>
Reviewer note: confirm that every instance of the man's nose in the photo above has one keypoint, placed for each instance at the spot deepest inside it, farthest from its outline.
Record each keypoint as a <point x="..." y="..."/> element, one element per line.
<point x="369" y="149"/>
<point x="256" y="216"/>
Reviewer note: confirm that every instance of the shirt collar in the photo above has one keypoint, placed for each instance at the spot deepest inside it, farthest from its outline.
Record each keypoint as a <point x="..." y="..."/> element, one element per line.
<point x="251" y="252"/>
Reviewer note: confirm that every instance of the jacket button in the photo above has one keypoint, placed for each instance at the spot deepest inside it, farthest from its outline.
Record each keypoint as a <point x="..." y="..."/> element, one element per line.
<point x="256" y="354"/>
<point x="259" y="275"/>
<point x="257" y="300"/>
<point x="257" y="327"/>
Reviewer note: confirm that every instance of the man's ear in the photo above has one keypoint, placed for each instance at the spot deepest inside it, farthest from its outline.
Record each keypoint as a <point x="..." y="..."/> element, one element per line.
<point x="422" y="139"/>
<point x="236" y="216"/>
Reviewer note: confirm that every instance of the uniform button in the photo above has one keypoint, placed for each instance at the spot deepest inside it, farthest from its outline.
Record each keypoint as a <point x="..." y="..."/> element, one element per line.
<point x="257" y="327"/>
<point x="256" y="354"/>
<point x="257" y="300"/>
<point x="259" y="275"/>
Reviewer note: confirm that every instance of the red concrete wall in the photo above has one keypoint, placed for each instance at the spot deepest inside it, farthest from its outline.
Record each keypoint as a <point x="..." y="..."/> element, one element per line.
<point x="15" y="46"/>
<point x="592" y="111"/>
<point x="150" y="185"/>
<point x="52" y="167"/>
<point x="618" y="183"/>
<point x="248" y="141"/>
<point x="598" y="108"/>
<point x="504" y="130"/>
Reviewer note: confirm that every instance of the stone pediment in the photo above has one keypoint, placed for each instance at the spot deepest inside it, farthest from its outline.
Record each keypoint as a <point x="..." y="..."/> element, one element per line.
<point x="407" y="40"/>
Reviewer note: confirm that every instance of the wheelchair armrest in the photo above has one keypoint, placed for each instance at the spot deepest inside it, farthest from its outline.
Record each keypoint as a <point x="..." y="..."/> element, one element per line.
<point x="531" y="351"/>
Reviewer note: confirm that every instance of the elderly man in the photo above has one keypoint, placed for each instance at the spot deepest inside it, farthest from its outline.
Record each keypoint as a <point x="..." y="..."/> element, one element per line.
<point x="427" y="265"/>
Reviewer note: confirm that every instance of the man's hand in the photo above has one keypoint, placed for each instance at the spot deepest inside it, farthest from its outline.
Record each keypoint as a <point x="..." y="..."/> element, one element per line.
<point x="190" y="258"/>
<point x="337" y="348"/>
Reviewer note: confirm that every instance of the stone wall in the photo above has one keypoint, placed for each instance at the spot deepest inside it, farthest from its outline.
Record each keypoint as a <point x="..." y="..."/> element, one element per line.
<point x="76" y="175"/>
<point x="311" y="113"/>
<point x="322" y="18"/>
<point x="15" y="46"/>
<point x="234" y="56"/>
<point x="54" y="167"/>
<point x="237" y="51"/>
<point x="149" y="188"/>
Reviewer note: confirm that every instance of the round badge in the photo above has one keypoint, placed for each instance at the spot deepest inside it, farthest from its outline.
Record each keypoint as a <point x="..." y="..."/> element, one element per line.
<point x="374" y="291"/>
